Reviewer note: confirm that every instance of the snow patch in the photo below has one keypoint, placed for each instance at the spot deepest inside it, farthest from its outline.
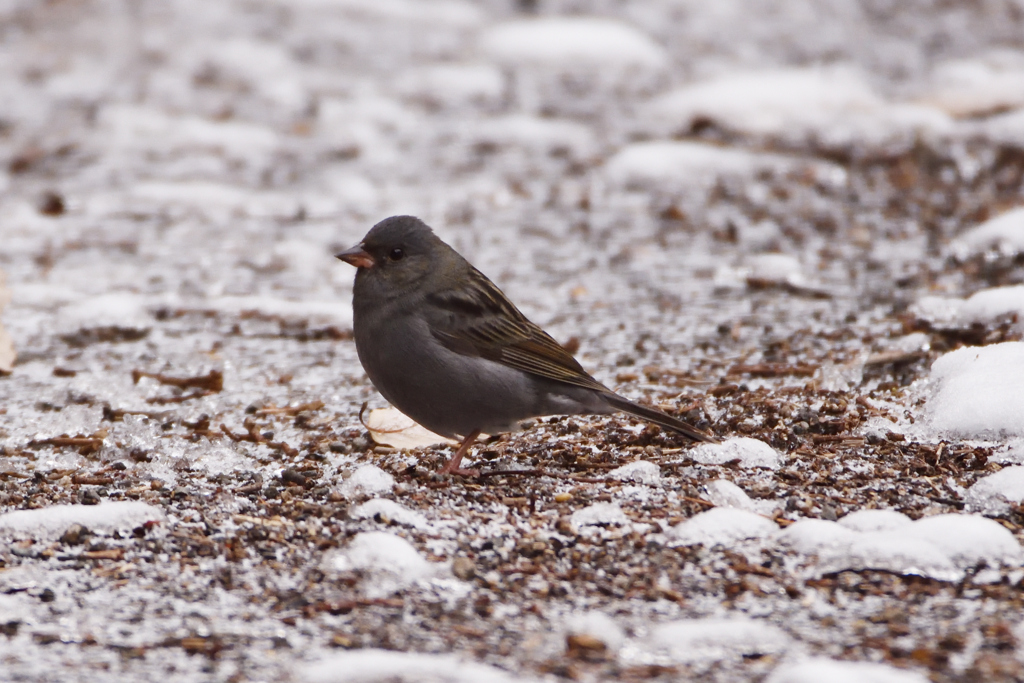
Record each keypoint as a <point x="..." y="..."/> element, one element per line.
<point x="218" y="201"/>
<point x="749" y="452"/>
<point x="372" y="666"/>
<point x="265" y="67"/>
<point x="389" y="512"/>
<point x="454" y="13"/>
<point x="722" y="526"/>
<point x="942" y="547"/>
<point x="833" y="108"/>
<point x="568" y="43"/>
<point x="134" y="128"/>
<point x="875" y="520"/>
<point x="693" y="640"/>
<point x="275" y="307"/>
<point x="640" y="471"/>
<point x="7" y="353"/>
<point x="120" y="309"/>
<point x="983" y="306"/>
<point x="724" y="493"/>
<point x="776" y="268"/>
<point x="367" y="480"/>
<point x="668" y="164"/>
<point x="976" y="87"/>
<point x="978" y="391"/>
<point x="816" y="670"/>
<point x="995" y="493"/>
<point x="1005" y="129"/>
<point x="1004" y="233"/>
<point x="50" y="522"/>
<point x="992" y="303"/>
<point x="387" y="562"/>
<point x="598" y="514"/>
<point x="541" y="135"/>
<point x="453" y="85"/>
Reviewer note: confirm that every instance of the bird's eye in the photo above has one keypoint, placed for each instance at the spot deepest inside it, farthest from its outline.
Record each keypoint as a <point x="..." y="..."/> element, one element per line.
<point x="396" y="254"/>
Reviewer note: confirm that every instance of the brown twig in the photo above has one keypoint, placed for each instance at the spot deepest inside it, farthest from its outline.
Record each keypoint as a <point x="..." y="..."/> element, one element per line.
<point x="160" y="400"/>
<point x="290" y="410"/>
<point x="253" y="435"/>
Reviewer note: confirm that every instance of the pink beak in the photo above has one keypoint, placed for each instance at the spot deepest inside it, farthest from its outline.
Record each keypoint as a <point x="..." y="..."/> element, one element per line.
<point x="357" y="257"/>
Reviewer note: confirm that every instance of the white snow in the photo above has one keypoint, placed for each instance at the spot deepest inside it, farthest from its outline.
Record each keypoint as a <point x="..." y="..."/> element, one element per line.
<point x="367" y="480"/>
<point x="995" y="302"/>
<point x="51" y="522"/>
<point x="218" y="201"/>
<point x="995" y="493"/>
<point x="598" y="514"/>
<point x="387" y="562"/>
<point x="121" y="308"/>
<point x="543" y="135"/>
<point x="597" y="625"/>
<point x="722" y="526"/>
<point x="670" y="164"/>
<point x="724" y="493"/>
<point x="1006" y="129"/>
<point x="780" y="268"/>
<point x="976" y="87"/>
<point x="455" y="13"/>
<point x="694" y="640"/>
<point x="875" y="520"/>
<point x="639" y="471"/>
<point x="749" y="452"/>
<point x="911" y="343"/>
<point x="833" y="107"/>
<point x="938" y="310"/>
<point x="369" y="123"/>
<point x="265" y="67"/>
<point x="569" y="43"/>
<point x="821" y="670"/>
<point x="941" y="547"/>
<point x="453" y="85"/>
<point x="978" y="391"/>
<point x="1004" y="233"/>
<point x="389" y="512"/>
<point x="835" y="548"/>
<point x="131" y="128"/>
<point x="983" y="306"/>
<point x="372" y="665"/>
<point x="7" y="353"/>
<point x="970" y="539"/>
<point x="276" y="307"/>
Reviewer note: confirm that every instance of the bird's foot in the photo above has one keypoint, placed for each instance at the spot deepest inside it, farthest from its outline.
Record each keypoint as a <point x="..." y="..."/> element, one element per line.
<point x="470" y="473"/>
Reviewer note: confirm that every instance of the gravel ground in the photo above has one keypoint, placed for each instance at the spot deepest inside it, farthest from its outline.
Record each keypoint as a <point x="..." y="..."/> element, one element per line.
<point x="177" y="176"/>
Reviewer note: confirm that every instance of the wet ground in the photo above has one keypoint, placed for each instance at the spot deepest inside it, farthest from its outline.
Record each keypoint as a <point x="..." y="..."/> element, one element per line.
<point x="177" y="176"/>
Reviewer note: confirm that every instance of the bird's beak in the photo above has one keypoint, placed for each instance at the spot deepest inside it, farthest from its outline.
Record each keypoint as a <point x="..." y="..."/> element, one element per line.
<point x="357" y="257"/>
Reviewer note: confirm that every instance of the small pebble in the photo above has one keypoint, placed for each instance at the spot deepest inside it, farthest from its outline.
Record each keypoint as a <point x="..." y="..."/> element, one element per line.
<point x="75" y="535"/>
<point x="464" y="568"/>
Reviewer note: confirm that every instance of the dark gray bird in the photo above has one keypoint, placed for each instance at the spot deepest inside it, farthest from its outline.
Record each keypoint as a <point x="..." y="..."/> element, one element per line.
<point x="445" y="346"/>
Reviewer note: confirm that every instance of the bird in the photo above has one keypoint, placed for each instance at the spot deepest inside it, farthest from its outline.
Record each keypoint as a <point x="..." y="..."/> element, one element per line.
<point x="448" y="349"/>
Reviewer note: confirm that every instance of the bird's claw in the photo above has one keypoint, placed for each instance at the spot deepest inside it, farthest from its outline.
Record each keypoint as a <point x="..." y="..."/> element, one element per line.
<point x="470" y="473"/>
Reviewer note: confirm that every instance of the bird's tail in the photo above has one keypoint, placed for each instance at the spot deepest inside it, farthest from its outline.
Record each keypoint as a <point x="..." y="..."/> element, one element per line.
<point x="659" y="418"/>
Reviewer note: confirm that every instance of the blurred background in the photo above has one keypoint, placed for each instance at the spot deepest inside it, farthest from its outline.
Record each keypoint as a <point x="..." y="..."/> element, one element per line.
<point x="709" y="176"/>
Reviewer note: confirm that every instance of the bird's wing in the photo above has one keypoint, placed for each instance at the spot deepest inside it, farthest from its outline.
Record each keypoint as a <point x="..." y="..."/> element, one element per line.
<point x="478" y="320"/>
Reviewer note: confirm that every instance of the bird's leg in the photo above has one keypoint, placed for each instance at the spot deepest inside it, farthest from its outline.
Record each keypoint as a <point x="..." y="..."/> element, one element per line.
<point x="452" y="466"/>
